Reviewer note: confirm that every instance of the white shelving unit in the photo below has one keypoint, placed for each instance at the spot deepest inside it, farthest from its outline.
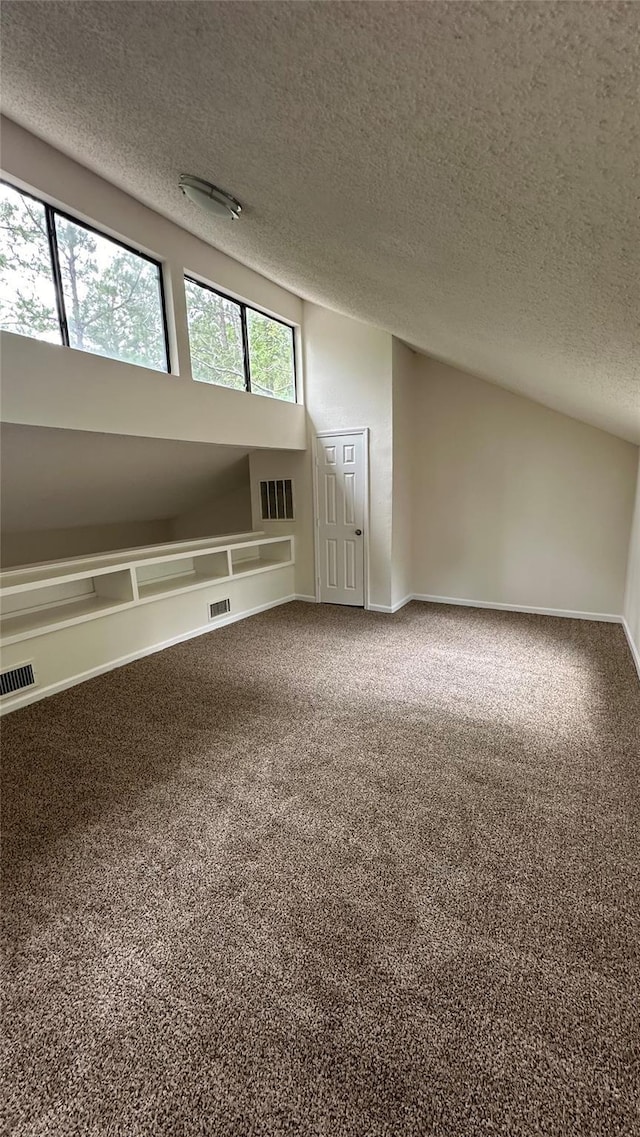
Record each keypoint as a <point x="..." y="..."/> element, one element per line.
<point x="34" y="607"/>
<point x="157" y="578"/>
<point x="261" y="556"/>
<point x="38" y="599"/>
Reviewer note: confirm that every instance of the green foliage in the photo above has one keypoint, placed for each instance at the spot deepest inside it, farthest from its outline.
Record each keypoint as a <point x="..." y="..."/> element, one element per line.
<point x="271" y="356"/>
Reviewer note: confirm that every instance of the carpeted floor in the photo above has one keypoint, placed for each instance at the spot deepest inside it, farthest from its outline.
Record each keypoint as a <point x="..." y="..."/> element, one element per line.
<point x="330" y="873"/>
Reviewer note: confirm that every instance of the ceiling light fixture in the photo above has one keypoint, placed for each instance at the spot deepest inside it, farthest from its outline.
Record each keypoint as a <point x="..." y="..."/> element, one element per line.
<point x="209" y="197"/>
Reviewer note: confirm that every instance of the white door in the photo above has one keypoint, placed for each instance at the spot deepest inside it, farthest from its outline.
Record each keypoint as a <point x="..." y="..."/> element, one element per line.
<point x="340" y="460"/>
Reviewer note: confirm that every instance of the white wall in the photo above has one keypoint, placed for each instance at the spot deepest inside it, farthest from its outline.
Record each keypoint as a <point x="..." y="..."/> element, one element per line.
<point x="348" y="385"/>
<point x="515" y="503"/>
<point x="267" y="464"/>
<point x="404" y="382"/>
<point x="48" y="385"/>
<point x="632" y="595"/>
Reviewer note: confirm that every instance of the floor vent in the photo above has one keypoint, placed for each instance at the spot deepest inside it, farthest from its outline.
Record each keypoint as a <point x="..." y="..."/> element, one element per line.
<point x="219" y="608"/>
<point x="17" y="679"/>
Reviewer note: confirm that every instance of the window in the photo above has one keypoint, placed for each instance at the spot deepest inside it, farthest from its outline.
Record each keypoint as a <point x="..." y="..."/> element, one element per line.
<point x="270" y="356"/>
<point x="276" y="498"/>
<point x="236" y="346"/>
<point x="215" y="337"/>
<point x="62" y="281"/>
<point x="27" y="291"/>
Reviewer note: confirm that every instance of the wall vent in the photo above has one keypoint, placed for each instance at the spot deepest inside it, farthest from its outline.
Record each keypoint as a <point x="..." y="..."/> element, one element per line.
<point x="276" y="498"/>
<point x="17" y="679"/>
<point x="219" y="608"/>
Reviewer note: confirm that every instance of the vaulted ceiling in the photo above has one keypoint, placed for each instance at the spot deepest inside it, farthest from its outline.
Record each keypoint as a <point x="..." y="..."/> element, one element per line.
<point x="464" y="175"/>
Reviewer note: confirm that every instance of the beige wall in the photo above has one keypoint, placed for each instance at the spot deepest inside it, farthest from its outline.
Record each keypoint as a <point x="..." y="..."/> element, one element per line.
<point x="632" y="596"/>
<point x="403" y="407"/>
<point x="514" y="503"/>
<point x="229" y="512"/>
<point x="65" y="493"/>
<point x="348" y="385"/>
<point x="33" y="545"/>
<point x="55" y="479"/>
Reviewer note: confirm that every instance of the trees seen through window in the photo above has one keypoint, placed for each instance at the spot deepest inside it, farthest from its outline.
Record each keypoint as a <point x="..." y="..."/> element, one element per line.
<point x="109" y="299"/>
<point x="236" y="346"/>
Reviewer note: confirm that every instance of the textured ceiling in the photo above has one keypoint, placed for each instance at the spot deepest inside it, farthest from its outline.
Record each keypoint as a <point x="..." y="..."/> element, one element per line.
<point x="465" y="175"/>
<point x="52" y="479"/>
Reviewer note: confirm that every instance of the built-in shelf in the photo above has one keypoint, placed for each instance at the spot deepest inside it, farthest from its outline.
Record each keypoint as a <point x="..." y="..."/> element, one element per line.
<point x="37" y="599"/>
<point x="261" y="556"/>
<point x="181" y="575"/>
<point x="24" y="625"/>
<point x="31" y="612"/>
<point x="30" y="576"/>
<point x="150" y="589"/>
<point x="27" y="579"/>
<point x="253" y="565"/>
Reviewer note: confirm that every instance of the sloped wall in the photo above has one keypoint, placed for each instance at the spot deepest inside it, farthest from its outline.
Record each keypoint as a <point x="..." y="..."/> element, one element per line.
<point x="228" y="512"/>
<point x="31" y="546"/>
<point x="515" y="503"/>
<point x="66" y="492"/>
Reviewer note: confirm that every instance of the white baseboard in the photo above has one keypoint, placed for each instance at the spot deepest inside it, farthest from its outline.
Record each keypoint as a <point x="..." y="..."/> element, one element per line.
<point x="36" y="693"/>
<point x="606" y="617"/>
<point x="633" y="647"/>
<point x="391" y="608"/>
<point x="401" y="603"/>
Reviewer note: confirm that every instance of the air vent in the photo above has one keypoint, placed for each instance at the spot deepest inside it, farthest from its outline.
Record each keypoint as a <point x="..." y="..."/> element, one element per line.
<point x="17" y="679"/>
<point x="219" y="608"/>
<point x="277" y="500"/>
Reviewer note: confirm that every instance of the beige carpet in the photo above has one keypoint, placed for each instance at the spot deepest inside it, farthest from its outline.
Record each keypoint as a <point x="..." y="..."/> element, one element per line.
<point x="326" y="872"/>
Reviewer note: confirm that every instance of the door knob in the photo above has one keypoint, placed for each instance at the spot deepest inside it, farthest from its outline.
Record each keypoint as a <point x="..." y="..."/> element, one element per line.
<point x="358" y="532"/>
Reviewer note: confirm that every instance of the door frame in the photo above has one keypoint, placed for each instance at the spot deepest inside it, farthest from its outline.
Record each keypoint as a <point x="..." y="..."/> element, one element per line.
<point x="364" y="432"/>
